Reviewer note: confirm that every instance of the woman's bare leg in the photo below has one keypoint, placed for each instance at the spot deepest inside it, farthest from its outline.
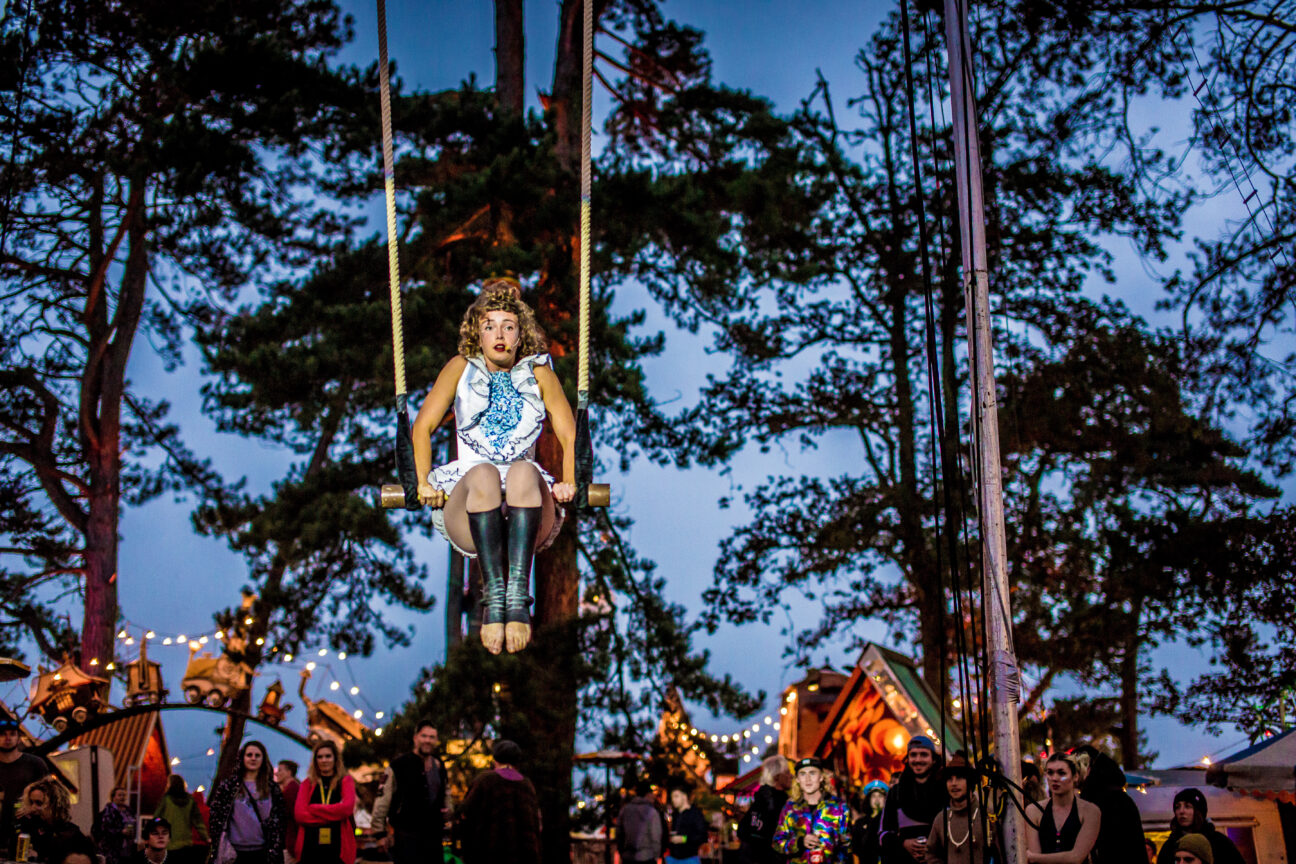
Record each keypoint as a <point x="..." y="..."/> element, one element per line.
<point x="477" y="513"/>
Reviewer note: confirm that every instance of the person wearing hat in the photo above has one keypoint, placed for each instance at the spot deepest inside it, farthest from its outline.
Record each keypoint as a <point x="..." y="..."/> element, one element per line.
<point x="1121" y="836"/>
<point x="157" y="842"/>
<point x="18" y="770"/>
<point x="959" y="836"/>
<point x="1193" y="849"/>
<point x="500" y="816"/>
<point x="866" y="813"/>
<point x="814" y="827"/>
<point x="913" y="804"/>
<point x="1190" y="813"/>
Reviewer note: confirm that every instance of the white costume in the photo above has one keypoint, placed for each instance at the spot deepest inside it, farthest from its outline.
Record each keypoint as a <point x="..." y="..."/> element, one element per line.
<point x="498" y="419"/>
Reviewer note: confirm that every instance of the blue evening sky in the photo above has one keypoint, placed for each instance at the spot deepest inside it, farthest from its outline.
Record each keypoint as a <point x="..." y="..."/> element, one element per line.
<point x="171" y="580"/>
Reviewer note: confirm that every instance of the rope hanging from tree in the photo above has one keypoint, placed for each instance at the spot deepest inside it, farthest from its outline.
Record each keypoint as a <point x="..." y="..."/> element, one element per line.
<point x="405" y="495"/>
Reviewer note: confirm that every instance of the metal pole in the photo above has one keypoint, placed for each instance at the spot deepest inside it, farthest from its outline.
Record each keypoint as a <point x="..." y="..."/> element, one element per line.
<point x="1004" y="680"/>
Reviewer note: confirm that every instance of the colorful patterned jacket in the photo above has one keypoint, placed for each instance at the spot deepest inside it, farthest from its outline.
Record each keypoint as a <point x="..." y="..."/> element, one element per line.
<point x="830" y="819"/>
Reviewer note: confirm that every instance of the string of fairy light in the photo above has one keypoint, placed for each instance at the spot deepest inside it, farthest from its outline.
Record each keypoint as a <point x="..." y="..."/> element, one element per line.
<point x="311" y="661"/>
<point x="745" y="742"/>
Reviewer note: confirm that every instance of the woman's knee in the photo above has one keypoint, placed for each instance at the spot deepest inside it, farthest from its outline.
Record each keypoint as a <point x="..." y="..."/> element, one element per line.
<point x="523" y="476"/>
<point x="482" y="477"/>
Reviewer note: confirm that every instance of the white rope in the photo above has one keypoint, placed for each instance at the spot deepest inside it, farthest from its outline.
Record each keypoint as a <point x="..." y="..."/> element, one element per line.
<point x="389" y="188"/>
<point x="587" y="112"/>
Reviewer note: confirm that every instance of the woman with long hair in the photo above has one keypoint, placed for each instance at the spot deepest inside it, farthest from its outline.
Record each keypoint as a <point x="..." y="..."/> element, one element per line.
<point x="1068" y="825"/>
<point x="325" y="810"/>
<point x="494" y="502"/>
<point x="180" y="811"/>
<point x="756" y="829"/>
<point x="247" y="812"/>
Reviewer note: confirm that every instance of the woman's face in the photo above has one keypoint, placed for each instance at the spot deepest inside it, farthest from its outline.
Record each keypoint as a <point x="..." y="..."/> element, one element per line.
<point x="325" y="762"/>
<point x="38" y="804"/>
<point x="252" y="759"/>
<point x="500" y="334"/>
<point x="1060" y="778"/>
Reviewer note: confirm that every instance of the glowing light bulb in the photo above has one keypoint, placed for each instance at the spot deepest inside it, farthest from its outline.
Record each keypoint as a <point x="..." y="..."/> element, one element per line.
<point x="310" y="667"/>
<point x="288" y="658"/>
<point x="220" y="634"/>
<point x="167" y="641"/>
<point x="341" y="655"/>
<point x="354" y="690"/>
<point x="247" y="622"/>
<point x="260" y="641"/>
<point x="334" y="686"/>
<point x="378" y="732"/>
<point x="357" y="714"/>
<point x="380" y="715"/>
<point x="94" y="661"/>
<point x="149" y="635"/>
<point x="175" y="760"/>
<point x="323" y="652"/>
<point x="211" y="751"/>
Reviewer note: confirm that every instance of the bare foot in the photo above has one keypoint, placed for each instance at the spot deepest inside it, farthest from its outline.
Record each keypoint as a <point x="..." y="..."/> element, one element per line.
<point x="492" y="636"/>
<point x="516" y="636"/>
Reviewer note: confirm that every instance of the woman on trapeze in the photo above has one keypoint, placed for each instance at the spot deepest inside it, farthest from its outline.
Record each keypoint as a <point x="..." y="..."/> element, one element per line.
<point x="494" y="502"/>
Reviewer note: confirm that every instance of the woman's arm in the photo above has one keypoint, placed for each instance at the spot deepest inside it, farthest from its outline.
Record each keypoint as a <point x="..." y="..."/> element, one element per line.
<point x="300" y="813"/>
<point x="429" y="417"/>
<point x="564" y="425"/>
<point x="1091" y="819"/>
<point x="1034" y="813"/>
<point x="332" y="812"/>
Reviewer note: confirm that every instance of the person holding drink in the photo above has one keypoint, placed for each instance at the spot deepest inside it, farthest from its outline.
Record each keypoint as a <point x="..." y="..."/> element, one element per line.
<point x="688" y="830"/>
<point x="814" y="827"/>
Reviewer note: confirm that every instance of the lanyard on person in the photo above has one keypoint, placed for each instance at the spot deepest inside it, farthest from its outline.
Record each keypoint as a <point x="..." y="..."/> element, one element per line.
<point x="326" y="793"/>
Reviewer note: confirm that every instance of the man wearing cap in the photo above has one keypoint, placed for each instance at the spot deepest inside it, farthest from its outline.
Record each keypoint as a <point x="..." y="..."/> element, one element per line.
<point x="157" y="837"/>
<point x="1192" y="849"/>
<point x="814" y="827"/>
<point x="1190" y="818"/>
<point x="958" y="836"/>
<point x="17" y="771"/>
<point x="500" y="816"/>
<point x="913" y="804"/>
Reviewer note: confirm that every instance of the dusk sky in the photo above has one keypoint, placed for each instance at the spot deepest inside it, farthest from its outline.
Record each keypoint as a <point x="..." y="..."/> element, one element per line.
<point x="172" y="581"/>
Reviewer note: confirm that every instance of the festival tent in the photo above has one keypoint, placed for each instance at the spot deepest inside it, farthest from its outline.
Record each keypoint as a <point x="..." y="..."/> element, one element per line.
<point x="884" y="703"/>
<point x="1266" y="769"/>
<point x="140" y="758"/>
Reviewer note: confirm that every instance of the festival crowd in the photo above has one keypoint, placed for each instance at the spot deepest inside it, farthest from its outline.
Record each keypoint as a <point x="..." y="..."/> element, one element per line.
<point x="931" y="813"/>
<point x="261" y="813"/>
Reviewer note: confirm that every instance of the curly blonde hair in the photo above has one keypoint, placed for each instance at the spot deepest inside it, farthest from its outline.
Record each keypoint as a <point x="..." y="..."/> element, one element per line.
<point x="501" y="295"/>
<point x="57" y="800"/>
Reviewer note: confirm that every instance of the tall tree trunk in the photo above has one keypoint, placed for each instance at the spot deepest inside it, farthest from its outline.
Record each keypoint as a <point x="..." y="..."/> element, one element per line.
<point x="1129" y="697"/>
<point x="103" y="388"/>
<point x="566" y="97"/>
<point x="510" y="55"/>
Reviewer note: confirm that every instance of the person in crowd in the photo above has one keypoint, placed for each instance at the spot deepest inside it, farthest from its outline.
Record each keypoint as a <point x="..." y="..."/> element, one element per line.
<point x="157" y="843"/>
<point x="1032" y="782"/>
<point x="114" y="830"/>
<point x="960" y="834"/>
<point x="44" y="814"/>
<point x="77" y="850"/>
<point x="1121" y="836"/>
<point x="814" y="827"/>
<point x="1193" y="849"/>
<point x="500" y="814"/>
<point x="494" y="502"/>
<point x="866" y="819"/>
<point x="247" y="812"/>
<point x="688" y="829"/>
<point x="1190" y="818"/>
<point x="639" y="833"/>
<point x="1067" y="825"/>
<point x="367" y="846"/>
<point x="912" y="804"/>
<point x="325" y="810"/>
<point x="18" y="770"/>
<point x="1150" y="845"/>
<point x="286" y="776"/>
<point x="184" y="821"/>
<point x="413" y="800"/>
<point x="756" y="828"/>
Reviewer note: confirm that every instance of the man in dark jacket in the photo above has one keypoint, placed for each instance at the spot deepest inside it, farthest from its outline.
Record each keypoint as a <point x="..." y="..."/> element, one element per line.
<point x="1120" y="837"/>
<point x="1190" y="818"/>
<point x="413" y="801"/>
<point x="688" y="830"/>
<point x="639" y="830"/>
<point x="913" y="803"/>
<point x="499" y="820"/>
